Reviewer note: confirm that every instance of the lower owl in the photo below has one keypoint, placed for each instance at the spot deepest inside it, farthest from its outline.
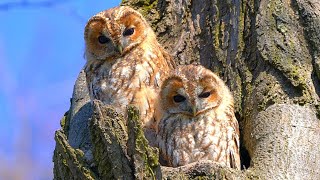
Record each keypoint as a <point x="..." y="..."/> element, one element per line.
<point x="195" y="119"/>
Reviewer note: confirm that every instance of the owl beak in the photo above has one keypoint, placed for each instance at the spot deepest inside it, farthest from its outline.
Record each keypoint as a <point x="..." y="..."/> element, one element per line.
<point x="119" y="48"/>
<point x="193" y="111"/>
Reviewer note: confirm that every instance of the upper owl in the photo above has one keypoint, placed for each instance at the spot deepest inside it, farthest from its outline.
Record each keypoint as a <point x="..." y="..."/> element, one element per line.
<point x="125" y="62"/>
<point x="114" y="32"/>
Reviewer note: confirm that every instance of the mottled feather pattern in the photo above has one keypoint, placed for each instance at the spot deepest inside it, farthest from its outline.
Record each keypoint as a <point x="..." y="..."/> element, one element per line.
<point x="210" y="133"/>
<point x="119" y="83"/>
<point x="125" y="62"/>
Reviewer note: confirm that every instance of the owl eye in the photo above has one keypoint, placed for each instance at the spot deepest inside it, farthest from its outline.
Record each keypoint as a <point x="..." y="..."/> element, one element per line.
<point x="178" y="98"/>
<point x="103" y="39"/>
<point x="128" y="32"/>
<point x="204" y="95"/>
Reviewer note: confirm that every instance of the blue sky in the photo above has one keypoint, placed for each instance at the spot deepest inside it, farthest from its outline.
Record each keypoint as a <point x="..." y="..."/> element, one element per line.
<point x="41" y="54"/>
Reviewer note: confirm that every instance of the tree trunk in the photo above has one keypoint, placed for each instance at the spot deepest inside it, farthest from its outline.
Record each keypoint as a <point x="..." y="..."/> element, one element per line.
<point x="268" y="53"/>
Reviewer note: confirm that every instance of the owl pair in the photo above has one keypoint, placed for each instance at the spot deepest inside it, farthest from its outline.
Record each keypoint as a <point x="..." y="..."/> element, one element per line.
<point x="187" y="112"/>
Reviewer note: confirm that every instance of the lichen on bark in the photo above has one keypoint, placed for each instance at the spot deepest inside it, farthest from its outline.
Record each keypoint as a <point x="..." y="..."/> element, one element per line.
<point x="145" y="158"/>
<point x="69" y="162"/>
<point x="108" y="134"/>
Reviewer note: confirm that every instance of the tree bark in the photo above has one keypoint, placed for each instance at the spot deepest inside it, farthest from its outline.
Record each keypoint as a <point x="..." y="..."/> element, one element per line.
<point x="268" y="54"/>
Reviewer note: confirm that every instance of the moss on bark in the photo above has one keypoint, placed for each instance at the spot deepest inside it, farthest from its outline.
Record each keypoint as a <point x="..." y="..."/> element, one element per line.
<point x="69" y="162"/>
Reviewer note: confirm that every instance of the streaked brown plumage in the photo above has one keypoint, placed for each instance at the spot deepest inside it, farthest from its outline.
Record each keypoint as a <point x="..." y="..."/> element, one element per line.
<point x="125" y="62"/>
<point x="196" y="120"/>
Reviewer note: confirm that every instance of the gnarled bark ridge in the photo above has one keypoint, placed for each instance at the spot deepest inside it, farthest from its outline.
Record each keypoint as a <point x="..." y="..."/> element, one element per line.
<point x="268" y="54"/>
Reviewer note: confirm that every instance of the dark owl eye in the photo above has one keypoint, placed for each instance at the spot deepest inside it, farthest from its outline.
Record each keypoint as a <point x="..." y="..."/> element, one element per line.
<point x="178" y="98"/>
<point x="128" y="32"/>
<point x="103" y="39"/>
<point x="204" y="95"/>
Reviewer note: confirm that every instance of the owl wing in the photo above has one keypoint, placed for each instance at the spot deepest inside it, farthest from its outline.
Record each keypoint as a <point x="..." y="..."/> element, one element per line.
<point x="234" y="145"/>
<point x="169" y="59"/>
<point x="89" y="74"/>
<point x="91" y="78"/>
<point x="233" y="160"/>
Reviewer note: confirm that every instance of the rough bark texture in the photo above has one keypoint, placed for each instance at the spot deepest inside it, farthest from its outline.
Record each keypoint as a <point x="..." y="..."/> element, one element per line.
<point x="268" y="53"/>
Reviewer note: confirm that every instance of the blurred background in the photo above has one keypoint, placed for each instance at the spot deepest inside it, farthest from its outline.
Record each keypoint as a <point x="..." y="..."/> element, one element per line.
<point x="41" y="54"/>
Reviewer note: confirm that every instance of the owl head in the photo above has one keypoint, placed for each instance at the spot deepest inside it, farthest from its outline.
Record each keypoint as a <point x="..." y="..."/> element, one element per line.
<point x="193" y="90"/>
<point x="114" y="32"/>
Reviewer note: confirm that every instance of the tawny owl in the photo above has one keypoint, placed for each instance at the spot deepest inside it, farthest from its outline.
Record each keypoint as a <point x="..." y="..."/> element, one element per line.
<point x="125" y="62"/>
<point x="196" y="120"/>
